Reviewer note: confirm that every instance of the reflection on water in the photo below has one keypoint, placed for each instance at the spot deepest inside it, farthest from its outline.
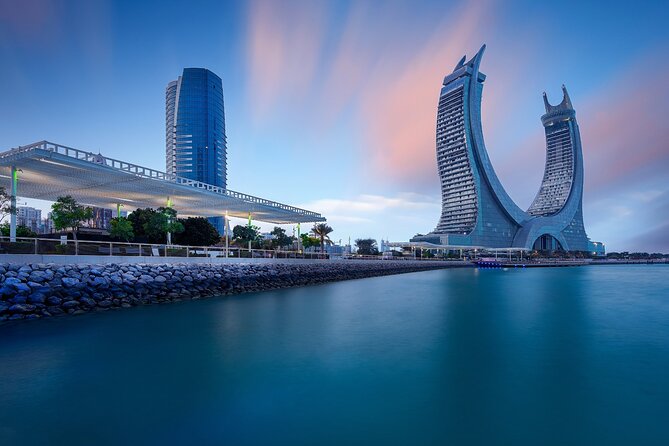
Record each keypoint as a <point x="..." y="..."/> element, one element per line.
<point x="534" y="356"/>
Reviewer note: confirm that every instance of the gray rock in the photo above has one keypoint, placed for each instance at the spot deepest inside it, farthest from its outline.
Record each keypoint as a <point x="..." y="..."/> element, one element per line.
<point x="54" y="300"/>
<point x="12" y="281"/>
<point x="38" y="276"/>
<point x="19" y="299"/>
<point x="87" y="301"/>
<point x="22" y="288"/>
<point x="55" y="310"/>
<point x="70" y="304"/>
<point x="97" y="281"/>
<point x="70" y="281"/>
<point x="36" y="298"/>
<point x="105" y="303"/>
<point x="7" y="290"/>
<point x="22" y="308"/>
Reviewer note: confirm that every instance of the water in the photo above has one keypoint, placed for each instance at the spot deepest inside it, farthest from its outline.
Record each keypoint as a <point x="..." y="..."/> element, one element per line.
<point x="555" y="356"/>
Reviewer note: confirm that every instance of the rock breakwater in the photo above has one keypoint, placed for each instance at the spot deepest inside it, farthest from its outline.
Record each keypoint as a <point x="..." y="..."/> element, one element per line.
<point x="32" y="291"/>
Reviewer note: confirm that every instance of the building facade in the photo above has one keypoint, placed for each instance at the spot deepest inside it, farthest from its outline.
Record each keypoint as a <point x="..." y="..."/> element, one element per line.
<point x="29" y="217"/>
<point x="476" y="210"/>
<point x="195" y="141"/>
<point x="101" y="218"/>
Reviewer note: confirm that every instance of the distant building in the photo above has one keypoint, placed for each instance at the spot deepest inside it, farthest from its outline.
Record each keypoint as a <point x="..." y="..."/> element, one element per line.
<point x="335" y="250"/>
<point x="29" y="217"/>
<point x="597" y="248"/>
<point x="195" y="140"/>
<point x="266" y="236"/>
<point x="101" y="219"/>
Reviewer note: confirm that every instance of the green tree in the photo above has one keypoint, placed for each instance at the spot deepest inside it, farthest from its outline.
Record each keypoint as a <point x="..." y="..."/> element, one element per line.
<point x="162" y="221"/>
<point x="67" y="213"/>
<point x="121" y="229"/>
<point x="138" y="218"/>
<point x="5" y="204"/>
<point x="322" y="231"/>
<point x="21" y="231"/>
<point x="244" y="234"/>
<point x="309" y="241"/>
<point x="280" y="238"/>
<point x="198" y="231"/>
<point x="367" y="246"/>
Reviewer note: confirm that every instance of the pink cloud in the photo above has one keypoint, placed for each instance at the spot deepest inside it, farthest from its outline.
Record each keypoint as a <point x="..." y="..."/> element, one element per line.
<point x="284" y="48"/>
<point x="398" y="110"/>
<point x="624" y="131"/>
<point x="29" y="20"/>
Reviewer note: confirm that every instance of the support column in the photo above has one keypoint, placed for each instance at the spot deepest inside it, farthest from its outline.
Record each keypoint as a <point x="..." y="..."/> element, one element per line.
<point x="226" y="228"/>
<point x="12" y="212"/>
<point x="169" y="220"/>
<point x="299" y="240"/>
<point x="250" y="228"/>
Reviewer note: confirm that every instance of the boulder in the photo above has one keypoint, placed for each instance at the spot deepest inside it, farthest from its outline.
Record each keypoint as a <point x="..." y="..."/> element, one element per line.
<point x="19" y="299"/>
<point x="69" y="282"/>
<point x="70" y="304"/>
<point x="36" y="298"/>
<point x="87" y="301"/>
<point x="54" y="300"/>
<point x="7" y="290"/>
<point x="22" y="308"/>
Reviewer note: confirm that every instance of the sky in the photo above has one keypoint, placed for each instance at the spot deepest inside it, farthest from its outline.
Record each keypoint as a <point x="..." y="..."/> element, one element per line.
<point x="331" y="105"/>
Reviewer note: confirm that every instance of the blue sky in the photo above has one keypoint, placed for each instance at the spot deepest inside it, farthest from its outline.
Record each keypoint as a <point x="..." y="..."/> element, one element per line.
<point x="331" y="105"/>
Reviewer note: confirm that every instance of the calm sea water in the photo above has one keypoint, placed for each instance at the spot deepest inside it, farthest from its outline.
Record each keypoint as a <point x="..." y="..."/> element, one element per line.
<point x="556" y="356"/>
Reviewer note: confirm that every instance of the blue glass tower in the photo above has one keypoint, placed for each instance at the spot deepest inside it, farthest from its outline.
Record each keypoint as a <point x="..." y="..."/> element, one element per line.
<point x="195" y="130"/>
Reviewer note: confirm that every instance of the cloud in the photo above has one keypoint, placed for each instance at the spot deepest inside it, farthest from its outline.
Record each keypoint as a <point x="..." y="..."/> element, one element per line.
<point x="398" y="109"/>
<point x="378" y="215"/>
<point x="369" y="204"/>
<point x="28" y="20"/>
<point x="624" y="131"/>
<point x="284" y="46"/>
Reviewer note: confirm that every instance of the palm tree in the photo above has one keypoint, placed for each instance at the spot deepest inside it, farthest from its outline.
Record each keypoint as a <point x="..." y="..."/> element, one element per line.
<point x="321" y="230"/>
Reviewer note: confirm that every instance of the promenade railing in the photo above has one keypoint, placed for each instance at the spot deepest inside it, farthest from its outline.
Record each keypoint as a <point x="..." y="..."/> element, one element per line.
<point x="47" y="246"/>
<point x="404" y="257"/>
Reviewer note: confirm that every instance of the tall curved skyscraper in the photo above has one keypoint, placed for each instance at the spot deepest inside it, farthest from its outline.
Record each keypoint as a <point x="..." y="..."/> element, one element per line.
<point x="195" y="129"/>
<point x="476" y="210"/>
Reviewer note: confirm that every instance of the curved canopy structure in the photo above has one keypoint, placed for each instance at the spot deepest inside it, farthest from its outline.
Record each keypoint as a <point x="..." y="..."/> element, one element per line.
<point x="47" y="171"/>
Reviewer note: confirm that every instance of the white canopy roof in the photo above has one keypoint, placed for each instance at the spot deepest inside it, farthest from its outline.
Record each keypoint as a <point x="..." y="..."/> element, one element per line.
<point x="48" y="171"/>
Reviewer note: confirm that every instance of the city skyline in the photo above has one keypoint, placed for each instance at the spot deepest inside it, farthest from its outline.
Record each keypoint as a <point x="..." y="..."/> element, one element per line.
<point x="331" y="106"/>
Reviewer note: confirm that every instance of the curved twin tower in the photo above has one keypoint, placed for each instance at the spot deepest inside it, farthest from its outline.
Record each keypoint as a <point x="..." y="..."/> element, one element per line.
<point x="476" y="210"/>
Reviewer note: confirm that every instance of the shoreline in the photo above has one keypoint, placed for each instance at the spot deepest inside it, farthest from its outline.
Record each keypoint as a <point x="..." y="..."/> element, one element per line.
<point x="35" y="291"/>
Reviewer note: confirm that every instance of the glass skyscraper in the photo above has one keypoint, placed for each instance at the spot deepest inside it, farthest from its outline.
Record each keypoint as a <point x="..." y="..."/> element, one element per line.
<point x="195" y="130"/>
